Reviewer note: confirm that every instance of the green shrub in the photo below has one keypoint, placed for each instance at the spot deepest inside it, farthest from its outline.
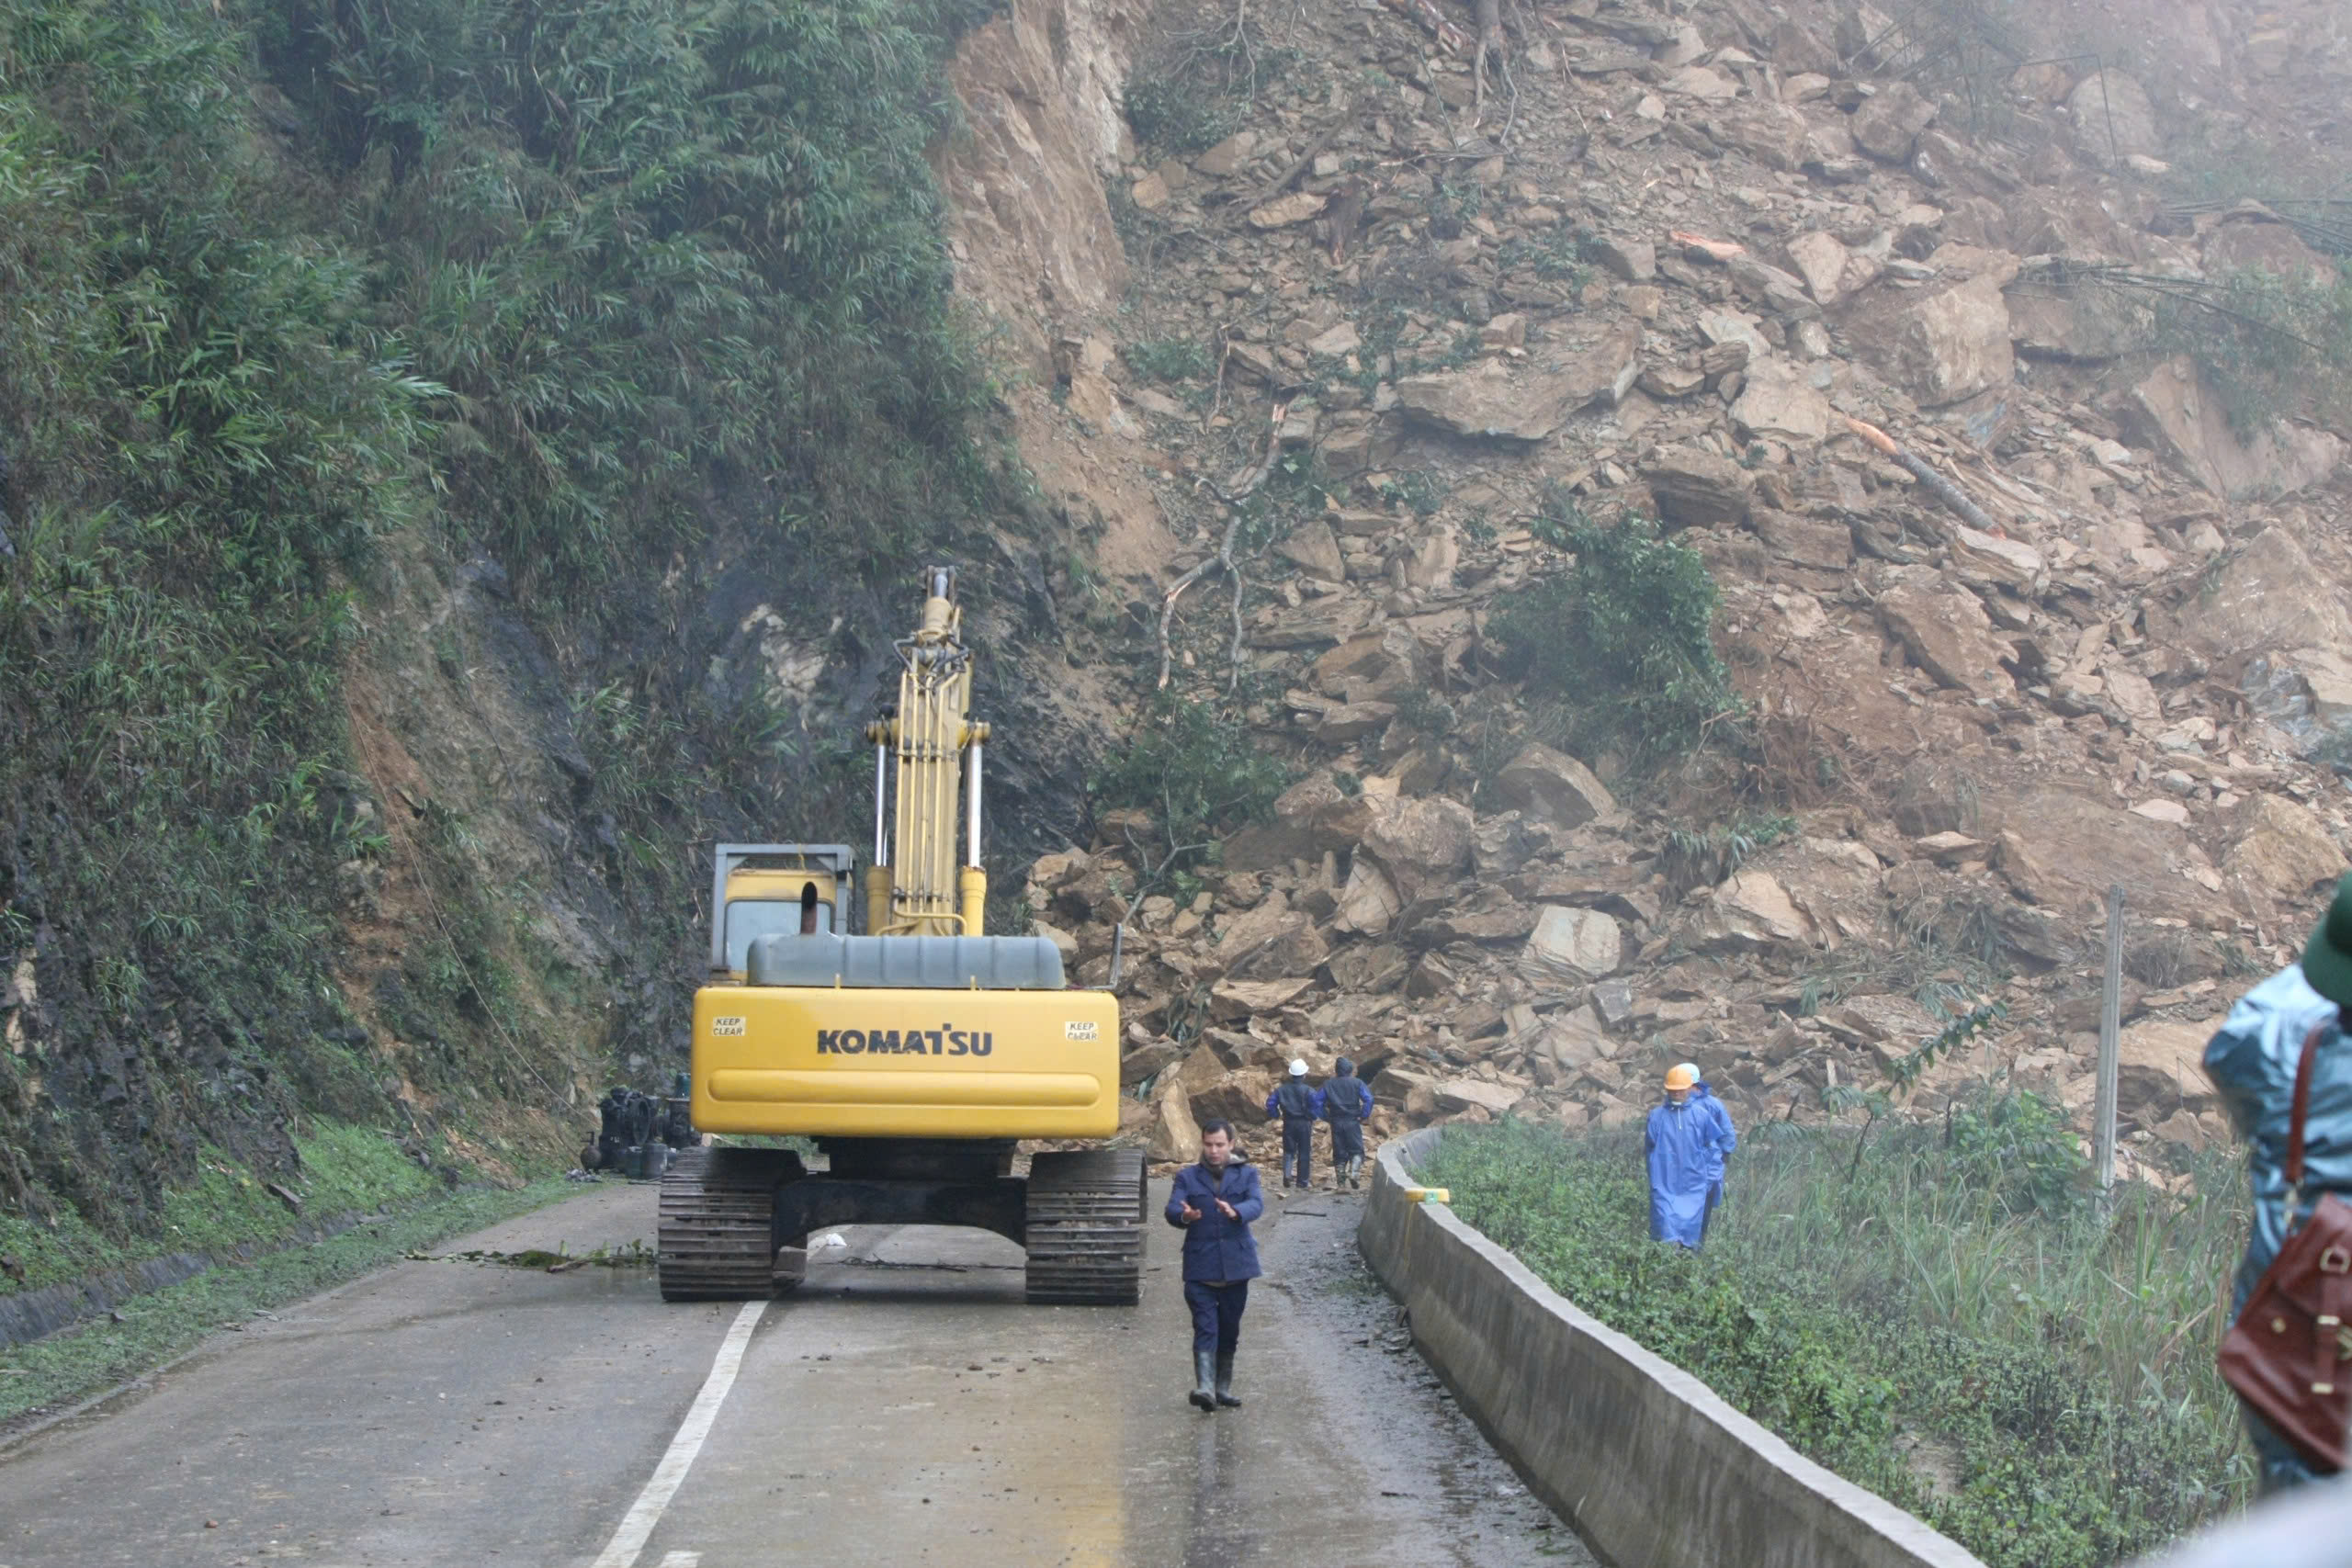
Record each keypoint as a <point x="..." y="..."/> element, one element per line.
<point x="1193" y="768"/>
<point x="1170" y="359"/>
<point x="1621" y="638"/>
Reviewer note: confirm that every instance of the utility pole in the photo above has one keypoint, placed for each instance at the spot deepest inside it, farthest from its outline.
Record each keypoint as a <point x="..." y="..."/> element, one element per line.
<point x="2110" y="1031"/>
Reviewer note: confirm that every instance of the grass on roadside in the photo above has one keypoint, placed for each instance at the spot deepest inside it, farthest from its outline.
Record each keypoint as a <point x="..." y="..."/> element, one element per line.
<point x="47" y="1374"/>
<point x="1945" y="1317"/>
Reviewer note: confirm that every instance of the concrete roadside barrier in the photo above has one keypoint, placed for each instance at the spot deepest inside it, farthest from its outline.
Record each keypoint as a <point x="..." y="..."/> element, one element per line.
<point x="1653" y="1469"/>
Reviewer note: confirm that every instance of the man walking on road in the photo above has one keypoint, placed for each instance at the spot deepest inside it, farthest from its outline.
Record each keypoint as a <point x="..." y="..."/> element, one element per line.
<point x="1300" y="1108"/>
<point x="1347" y="1105"/>
<point x="1686" y="1141"/>
<point x="1213" y="1203"/>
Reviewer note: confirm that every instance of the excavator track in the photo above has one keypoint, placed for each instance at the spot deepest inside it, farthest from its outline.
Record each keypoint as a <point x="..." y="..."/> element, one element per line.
<point x="1085" y="1227"/>
<point x="717" y="1223"/>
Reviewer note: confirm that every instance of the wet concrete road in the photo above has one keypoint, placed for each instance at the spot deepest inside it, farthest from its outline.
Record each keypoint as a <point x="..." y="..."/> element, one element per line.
<point x="904" y="1406"/>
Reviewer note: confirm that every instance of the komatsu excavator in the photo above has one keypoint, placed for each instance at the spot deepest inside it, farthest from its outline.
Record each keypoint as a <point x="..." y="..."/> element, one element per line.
<point x="914" y="1054"/>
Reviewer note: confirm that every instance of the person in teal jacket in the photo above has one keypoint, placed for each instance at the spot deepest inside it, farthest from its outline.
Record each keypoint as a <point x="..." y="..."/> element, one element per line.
<point x="2252" y="1061"/>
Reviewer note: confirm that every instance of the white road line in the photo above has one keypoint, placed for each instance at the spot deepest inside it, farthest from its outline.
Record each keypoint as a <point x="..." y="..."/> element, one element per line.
<point x="630" y="1539"/>
<point x="669" y="1560"/>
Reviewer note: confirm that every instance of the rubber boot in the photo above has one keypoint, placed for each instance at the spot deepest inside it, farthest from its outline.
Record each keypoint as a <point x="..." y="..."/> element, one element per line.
<point x="1224" y="1395"/>
<point x="1204" y="1374"/>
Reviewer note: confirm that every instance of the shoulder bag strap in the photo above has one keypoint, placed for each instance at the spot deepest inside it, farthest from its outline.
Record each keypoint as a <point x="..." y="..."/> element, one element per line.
<point x="2296" y="1116"/>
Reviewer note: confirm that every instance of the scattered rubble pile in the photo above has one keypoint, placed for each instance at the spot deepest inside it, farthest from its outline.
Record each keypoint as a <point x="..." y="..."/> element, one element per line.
<point x="1661" y="270"/>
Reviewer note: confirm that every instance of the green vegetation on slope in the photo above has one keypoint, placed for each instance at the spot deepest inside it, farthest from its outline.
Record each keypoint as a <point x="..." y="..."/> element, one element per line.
<point x="618" y="295"/>
<point x="1942" y="1316"/>
<point x="1616" y="652"/>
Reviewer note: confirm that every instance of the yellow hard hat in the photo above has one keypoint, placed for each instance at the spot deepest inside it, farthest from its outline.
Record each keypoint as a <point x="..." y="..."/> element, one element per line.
<point x="1680" y="1076"/>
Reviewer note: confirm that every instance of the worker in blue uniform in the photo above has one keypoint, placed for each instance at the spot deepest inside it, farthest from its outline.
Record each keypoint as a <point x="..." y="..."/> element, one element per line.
<point x="1300" y="1106"/>
<point x="1725" y="1138"/>
<point x="2253" y="1061"/>
<point x="1347" y="1106"/>
<point x="1685" y="1144"/>
<point x="1213" y="1203"/>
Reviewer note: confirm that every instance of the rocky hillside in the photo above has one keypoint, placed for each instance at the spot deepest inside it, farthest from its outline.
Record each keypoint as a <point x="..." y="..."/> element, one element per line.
<point x="1937" y="359"/>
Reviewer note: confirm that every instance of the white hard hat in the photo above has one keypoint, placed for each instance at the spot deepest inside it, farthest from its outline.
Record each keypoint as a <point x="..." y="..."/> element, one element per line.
<point x="1298" y="1067"/>
<point x="1690" y="1068"/>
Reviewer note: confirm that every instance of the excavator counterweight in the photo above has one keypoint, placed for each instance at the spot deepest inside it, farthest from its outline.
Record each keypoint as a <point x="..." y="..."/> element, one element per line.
<point x="916" y="1053"/>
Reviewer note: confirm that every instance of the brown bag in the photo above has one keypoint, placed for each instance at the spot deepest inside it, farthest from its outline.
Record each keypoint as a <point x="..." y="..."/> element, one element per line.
<point x="2289" y="1353"/>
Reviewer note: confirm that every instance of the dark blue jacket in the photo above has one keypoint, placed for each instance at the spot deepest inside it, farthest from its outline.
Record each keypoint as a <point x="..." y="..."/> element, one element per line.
<point x="1309" y="1102"/>
<point x="1214" y="1246"/>
<point x="1347" y="1099"/>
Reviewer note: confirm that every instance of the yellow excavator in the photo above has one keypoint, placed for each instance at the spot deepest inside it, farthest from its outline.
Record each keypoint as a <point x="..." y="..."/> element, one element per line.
<point x="915" y="1053"/>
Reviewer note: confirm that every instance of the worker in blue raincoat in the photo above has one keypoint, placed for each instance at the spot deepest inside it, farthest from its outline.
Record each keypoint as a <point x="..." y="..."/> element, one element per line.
<point x="2252" y="1061"/>
<point x="1685" y="1144"/>
<point x="1726" y="1138"/>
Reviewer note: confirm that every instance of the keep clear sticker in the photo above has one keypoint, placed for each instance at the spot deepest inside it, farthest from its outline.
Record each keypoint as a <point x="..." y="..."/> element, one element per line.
<point x="1081" y="1028"/>
<point x="726" y="1026"/>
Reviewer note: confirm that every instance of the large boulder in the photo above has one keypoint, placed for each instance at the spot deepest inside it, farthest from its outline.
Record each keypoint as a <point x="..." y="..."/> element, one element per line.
<point x="1232" y="1000"/>
<point x="2160" y="1068"/>
<point x="2114" y="119"/>
<point x="1379" y="666"/>
<point x="1151" y="1056"/>
<point x="1370" y="902"/>
<point x="1239" y="1098"/>
<point x="1462" y="1094"/>
<point x="1698" y="489"/>
<point x="2282" y="852"/>
<point x="2061" y="851"/>
<point x="1749" y="913"/>
<point x="1421" y="844"/>
<point x="1778" y="402"/>
<point x="1491" y="399"/>
<point x="1947" y="634"/>
<point x="1551" y="786"/>
<point x="1954" y="344"/>
<point x="2177" y="413"/>
<point x="1888" y="123"/>
<point x="1175" y="1136"/>
<point x="1313" y="547"/>
<point x="2270" y="596"/>
<point x="1571" y="946"/>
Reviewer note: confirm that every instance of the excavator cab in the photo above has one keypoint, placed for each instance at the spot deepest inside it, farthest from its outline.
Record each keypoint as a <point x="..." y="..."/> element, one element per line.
<point x="916" y="1053"/>
<point x="775" y="890"/>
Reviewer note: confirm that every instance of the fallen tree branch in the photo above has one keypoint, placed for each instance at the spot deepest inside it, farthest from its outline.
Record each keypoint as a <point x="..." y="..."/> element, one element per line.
<point x="1953" y="499"/>
<point x="1490" y="37"/>
<point x="1233" y="493"/>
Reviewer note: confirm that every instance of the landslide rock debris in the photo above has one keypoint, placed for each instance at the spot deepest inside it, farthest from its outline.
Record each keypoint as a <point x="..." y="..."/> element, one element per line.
<point x="1660" y="279"/>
